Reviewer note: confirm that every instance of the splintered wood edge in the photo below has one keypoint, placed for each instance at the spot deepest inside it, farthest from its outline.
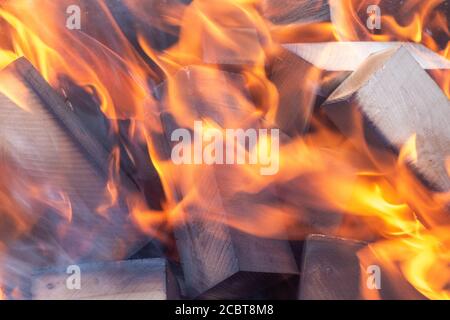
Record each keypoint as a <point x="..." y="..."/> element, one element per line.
<point x="347" y="56"/>
<point x="56" y="105"/>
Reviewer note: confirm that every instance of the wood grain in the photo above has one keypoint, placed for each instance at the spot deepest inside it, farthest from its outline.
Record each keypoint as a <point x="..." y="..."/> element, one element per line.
<point x="148" y="279"/>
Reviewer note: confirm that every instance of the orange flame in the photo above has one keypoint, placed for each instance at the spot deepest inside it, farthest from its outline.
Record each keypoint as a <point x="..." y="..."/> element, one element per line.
<point x="319" y="172"/>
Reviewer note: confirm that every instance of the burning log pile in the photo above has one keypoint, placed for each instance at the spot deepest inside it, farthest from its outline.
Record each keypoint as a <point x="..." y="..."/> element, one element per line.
<point x="241" y="149"/>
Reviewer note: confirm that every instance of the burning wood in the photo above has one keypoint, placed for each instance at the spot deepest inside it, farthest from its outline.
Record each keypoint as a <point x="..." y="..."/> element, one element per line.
<point x="329" y="20"/>
<point x="148" y="279"/>
<point x="299" y="84"/>
<point x="100" y="18"/>
<point x="392" y="100"/>
<point x="348" y="56"/>
<point x="307" y="74"/>
<point x="41" y="137"/>
<point x="224" y="173"/>
<point x="332" y="270"/>
<point x="218" y="260"/>
<point x="246" y="39"/>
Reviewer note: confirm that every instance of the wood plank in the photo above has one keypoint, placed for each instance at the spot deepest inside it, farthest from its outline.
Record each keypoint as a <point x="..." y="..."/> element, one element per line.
<point x="148" y="279"/>
<point x="348" y="56"/>
<point x="39" y="135"/>
<point x="332" y="270"/>
<point x="391" y="99"/>
<point x="220" y="261"/>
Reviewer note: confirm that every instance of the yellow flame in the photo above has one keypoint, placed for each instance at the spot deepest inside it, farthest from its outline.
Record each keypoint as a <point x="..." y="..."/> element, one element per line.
<point x="408" y="151"/>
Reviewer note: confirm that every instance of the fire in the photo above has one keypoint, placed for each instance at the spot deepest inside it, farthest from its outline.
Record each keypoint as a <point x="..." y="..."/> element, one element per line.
<point x="112" y="190"/>
<point x="63" y="52"/>
<point x="2" y="294"/>
<point x="329" y="173"/>
<point x="409" y="150"/>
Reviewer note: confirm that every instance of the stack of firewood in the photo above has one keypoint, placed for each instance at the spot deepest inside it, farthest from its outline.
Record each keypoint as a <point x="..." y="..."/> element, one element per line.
<point x="388" y="87"/>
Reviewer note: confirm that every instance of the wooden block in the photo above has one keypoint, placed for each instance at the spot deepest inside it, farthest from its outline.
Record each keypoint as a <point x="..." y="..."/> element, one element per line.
<point x="305" y="74"/>
<point x="134" y="156"/>
<point x="218" y="260"/>
<point x="331" y="270"/>
<point x="39" y="135"/>
<point x="301" y="86"/>
<point x="148" y="279"/>
<point x="393" y="98"/>
<point x="343" y="20"/>
<point x="348" y="56"/>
